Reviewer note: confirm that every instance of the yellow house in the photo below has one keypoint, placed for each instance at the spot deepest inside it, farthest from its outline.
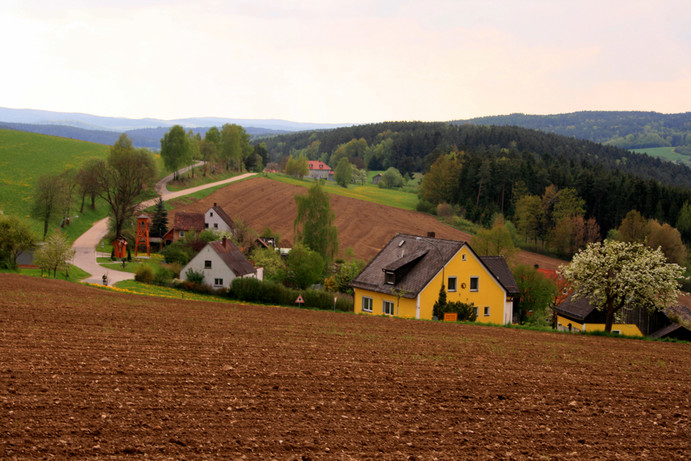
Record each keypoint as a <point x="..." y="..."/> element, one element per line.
<point x="405" y="277"/>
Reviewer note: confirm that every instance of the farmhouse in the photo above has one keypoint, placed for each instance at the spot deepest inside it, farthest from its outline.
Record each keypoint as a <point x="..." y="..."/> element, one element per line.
<point x="579" y="315"/>
<point x="376" y="178"/>
<point x="217" y="219"/>
<point x="319" y="170"/>
<point x="221" y="262"/>
<point x="183" y="223"/>
<point x="405" y="277"/>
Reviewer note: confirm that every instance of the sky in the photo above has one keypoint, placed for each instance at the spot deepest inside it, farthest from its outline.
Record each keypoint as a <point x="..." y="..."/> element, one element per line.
<point x="345" y="61"/>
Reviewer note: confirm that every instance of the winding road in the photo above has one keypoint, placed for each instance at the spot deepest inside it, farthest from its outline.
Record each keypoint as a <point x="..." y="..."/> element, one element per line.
<point x="85" y="246"/>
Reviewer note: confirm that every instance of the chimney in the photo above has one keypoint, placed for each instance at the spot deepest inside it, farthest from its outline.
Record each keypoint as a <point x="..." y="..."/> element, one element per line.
<point x="224" y="242"/>
<point x="214" y="203"/>
<point x="431" y="234"/>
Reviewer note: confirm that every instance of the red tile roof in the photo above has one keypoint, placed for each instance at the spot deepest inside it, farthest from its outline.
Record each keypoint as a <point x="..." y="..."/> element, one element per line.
<point x="317" y="165"/>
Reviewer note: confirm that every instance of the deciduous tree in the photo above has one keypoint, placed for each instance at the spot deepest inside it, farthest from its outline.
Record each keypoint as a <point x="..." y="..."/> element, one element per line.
<point x="123" y="179"/>
<point x="49" y="200"/>
<point x="343" y="172"/>
<point x="175" y="149"/>
<point x="618" y="275"/>
<point x="15" y="237"/>
<point x="314" y="223"/>
<point x="54" y="255"/>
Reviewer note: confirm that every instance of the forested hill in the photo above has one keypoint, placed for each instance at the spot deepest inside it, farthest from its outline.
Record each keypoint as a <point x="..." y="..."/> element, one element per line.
<point x="502" y="162"/>
<point x="630" y="130"/>
<point x="407" y="145"/>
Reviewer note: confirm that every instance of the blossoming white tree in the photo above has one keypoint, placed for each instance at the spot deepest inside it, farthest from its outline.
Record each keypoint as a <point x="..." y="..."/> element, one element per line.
<point x="618" y="275"/>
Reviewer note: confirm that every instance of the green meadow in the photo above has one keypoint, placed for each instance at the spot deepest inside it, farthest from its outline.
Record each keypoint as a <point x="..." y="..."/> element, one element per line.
<point x="367" y="192"/>
<point x="24" y="157"/>
<point x="665" y="153"/>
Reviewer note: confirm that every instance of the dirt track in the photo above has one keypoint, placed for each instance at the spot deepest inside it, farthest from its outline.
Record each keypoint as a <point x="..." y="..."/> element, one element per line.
<point x="365" y="227"/>
<point x="89" y="373"/>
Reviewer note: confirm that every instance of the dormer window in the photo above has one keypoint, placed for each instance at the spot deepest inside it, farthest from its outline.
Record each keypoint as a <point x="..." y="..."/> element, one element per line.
<point x="390" y="277"/>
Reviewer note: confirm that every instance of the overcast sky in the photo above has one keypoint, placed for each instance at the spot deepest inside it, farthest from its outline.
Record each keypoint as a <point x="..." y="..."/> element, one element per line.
<point x="345" y="61"/>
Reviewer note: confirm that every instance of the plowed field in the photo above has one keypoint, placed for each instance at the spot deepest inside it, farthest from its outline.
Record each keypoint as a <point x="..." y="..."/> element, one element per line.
<point x="91" y="373"/>
<point x="363" y="226"/>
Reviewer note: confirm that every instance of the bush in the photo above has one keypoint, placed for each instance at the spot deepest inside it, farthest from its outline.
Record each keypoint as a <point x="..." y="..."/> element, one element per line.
<point x="194" y="276"/>
<point x="425" y="206"/>
<point x="177" y="253"/>
<point x="464" y="311"/>
<point x="144" y="274"/>
<point x="163" y="275"/>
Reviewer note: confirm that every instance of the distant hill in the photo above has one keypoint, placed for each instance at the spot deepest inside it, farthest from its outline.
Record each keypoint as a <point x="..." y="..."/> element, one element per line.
<point x="143" y="132"/>
<point x="141" y="137"/>
<point x="629" y="130"/>
<point x="119" y="124"/>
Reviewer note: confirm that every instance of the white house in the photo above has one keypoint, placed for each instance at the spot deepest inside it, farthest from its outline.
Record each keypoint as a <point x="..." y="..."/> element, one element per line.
<point x="217" y="219"/>
<point x="221" y="262"/>
<point x="319" y="170"/>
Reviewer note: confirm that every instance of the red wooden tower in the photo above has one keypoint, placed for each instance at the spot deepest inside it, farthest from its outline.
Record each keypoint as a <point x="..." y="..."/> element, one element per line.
<point x="142" y="234"/>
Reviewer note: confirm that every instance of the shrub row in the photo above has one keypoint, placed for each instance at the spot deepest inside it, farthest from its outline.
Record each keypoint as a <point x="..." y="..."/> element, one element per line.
<point x="255" y="291"/>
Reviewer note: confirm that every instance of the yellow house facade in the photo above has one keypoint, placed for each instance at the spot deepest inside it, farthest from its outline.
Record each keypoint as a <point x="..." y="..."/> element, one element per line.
<point x="405" y="278"/>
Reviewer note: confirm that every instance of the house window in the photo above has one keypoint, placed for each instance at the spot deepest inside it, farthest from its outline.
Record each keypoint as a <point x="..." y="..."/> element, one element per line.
<point x="388" y="307"/>
<point x="452" y="283"/>
<point x="474" y="283"/>
<point x="207" y="264"/>
<point x="182" y="233"/>
<point x="206" y="225"/>
<point x="462" y="257"/>
<point x="476" y="311"/>
<point x="486" y="311"/>
<point x="211" y="214"/>
<point x="215" y="225"/>
<point x="616" y="332"/>
<point x="366" y="304"/>
<point x="389" y="278"/>
<point x="218" y="282"/>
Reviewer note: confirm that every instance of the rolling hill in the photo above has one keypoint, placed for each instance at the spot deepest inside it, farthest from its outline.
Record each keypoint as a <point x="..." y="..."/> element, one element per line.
<point x="24" y="157"/>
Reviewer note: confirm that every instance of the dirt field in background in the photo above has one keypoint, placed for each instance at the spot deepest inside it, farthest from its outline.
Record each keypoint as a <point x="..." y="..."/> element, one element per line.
<point x="91" y="373"/>
<point x="365" y="227"/>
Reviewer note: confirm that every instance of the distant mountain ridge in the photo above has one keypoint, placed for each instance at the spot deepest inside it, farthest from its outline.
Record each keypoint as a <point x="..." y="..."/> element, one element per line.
<point x="99" y="129"/>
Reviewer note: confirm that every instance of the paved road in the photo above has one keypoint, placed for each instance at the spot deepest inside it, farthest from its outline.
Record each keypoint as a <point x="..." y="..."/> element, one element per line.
<point x="85" y="245"/>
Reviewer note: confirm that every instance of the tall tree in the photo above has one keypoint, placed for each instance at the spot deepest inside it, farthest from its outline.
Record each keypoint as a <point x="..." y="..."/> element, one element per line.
<point x="343" y="172"/>
<point x="175" y="149"/>
<point x="684" y="222"/>
<point x="235" y="146"/>
<point x="538" y="294"/>
<point x="49" y="200"/>
<point x="619" y="275"/>
<point x="123" y="178"/>
<point x="87" y="182"/>
<point x="314" y="223"/>
<point x="159" y="221"/>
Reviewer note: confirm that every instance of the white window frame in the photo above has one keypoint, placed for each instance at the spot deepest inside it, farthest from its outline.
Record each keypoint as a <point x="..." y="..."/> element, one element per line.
<point x="367" y="304"/>
<point x="385" y="304"/>
<point x="477" y="311"/>
<point x="207" y="264"/>
<point x="477" y="283"/>
<point x="486" y="311"/>
<point x="455" y="283"/>
<point x="218" y="282"/>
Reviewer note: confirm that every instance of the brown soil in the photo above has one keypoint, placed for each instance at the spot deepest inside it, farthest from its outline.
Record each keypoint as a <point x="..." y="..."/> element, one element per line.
<point x="91" y="373"/>
<point x="363" y="226"/>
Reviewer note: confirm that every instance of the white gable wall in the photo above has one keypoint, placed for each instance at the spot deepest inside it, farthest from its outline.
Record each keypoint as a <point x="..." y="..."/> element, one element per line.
<point x="214" y="222"/>
<point x="219" y="269"/>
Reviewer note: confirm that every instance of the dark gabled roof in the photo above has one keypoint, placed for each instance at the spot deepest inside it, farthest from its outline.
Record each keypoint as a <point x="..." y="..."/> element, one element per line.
<point x="189" y="221"/>
<point x="575" y="309"/>
<point x="426" y="256"/>
<point x="233" y="257"/>
<point x="497" y="265"/>
<point x="224" y="216"/>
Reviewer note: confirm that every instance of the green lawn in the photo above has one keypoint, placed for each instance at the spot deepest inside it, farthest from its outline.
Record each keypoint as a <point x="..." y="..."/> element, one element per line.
<point x="366" y="192"/>
<point x="75" y="273"/>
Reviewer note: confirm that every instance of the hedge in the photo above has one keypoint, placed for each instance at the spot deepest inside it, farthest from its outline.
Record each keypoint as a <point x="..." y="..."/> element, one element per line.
<point x="255" y="291"/>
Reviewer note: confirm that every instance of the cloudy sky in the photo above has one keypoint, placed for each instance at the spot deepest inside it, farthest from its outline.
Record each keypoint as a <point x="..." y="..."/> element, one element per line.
<point x="345" y="61"/>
